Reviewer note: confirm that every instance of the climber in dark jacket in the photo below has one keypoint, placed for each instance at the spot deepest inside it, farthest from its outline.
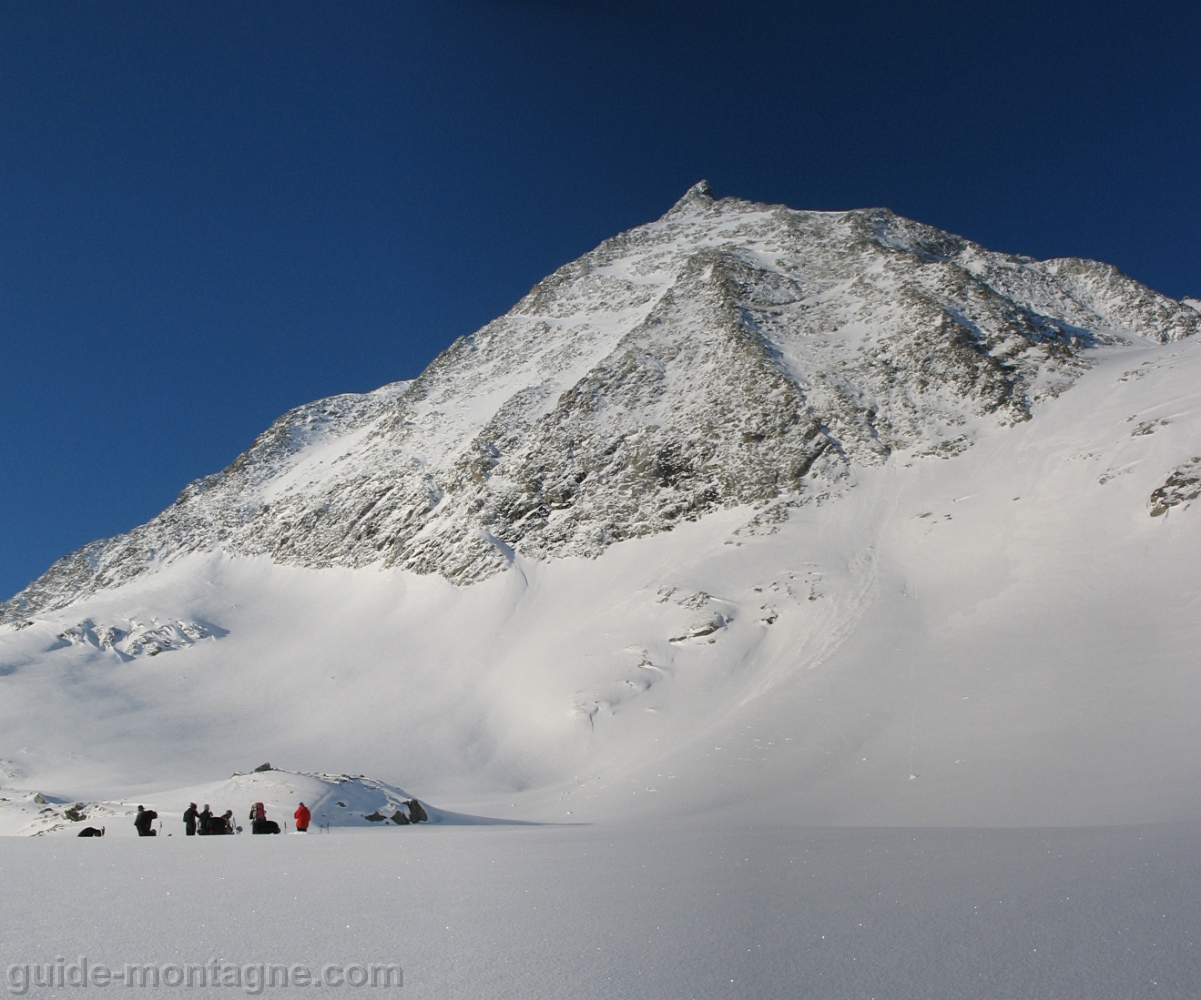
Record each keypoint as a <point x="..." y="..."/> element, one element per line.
<point x="203" y="820"/>
<point x="189" y="820"/>
<point x="143" y="820"/>
<point x="222" y="824"/>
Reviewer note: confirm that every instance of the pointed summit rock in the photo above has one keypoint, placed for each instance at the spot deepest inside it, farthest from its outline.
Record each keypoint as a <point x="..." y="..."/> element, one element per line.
<point x="698" y="197"/>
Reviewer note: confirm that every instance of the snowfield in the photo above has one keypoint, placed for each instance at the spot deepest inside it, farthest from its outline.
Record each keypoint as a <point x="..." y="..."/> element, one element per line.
<point x="772" y="604"/>
<point x="661" y="910"/>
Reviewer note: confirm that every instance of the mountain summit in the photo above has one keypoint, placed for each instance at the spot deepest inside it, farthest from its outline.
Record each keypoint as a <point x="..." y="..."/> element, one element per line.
<point x="729" y="353"/>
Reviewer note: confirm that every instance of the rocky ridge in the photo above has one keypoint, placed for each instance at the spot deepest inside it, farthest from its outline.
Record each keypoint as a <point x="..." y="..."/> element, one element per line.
<point x="729" y="353"/>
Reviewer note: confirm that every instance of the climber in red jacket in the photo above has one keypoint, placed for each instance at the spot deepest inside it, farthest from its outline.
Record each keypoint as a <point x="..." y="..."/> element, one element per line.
<point x="302" y="817"/>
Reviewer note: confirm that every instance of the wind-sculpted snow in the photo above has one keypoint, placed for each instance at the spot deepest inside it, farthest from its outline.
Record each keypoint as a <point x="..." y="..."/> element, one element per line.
<point x="729" y="353"/>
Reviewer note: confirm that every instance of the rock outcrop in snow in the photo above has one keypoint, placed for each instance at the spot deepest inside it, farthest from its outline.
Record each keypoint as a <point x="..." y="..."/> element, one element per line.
<point x="729" y="353"/>
<point x="129" y="639"/>
<point x="1182" y="487"/>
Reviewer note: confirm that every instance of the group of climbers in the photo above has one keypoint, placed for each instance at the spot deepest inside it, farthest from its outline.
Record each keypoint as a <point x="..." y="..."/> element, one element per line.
<point x="204" y="823"/>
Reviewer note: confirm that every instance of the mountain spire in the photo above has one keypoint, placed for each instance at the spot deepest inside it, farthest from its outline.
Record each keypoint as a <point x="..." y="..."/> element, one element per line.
<point x="699" y="196"/>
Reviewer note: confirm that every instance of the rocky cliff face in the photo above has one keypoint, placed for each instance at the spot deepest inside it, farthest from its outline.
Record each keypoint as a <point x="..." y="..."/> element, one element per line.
<point x="729" y="353"/>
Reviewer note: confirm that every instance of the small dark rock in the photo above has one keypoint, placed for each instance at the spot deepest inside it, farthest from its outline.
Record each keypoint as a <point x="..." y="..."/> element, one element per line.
<point x="262" y="767"/>
<point x="416" y="813"/>
<point x="375" y="817"/>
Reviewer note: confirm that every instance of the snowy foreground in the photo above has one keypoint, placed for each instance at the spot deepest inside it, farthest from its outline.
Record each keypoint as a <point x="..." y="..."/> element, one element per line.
<point x="662" y="911"/>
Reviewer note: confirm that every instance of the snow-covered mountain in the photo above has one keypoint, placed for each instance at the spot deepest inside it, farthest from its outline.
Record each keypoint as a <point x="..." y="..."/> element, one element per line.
<point x="729" y="353"/>
<point x="829" y="512"/>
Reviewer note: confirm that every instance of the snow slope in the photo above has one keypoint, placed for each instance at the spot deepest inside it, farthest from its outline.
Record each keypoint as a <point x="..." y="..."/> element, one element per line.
<point x="1011" y="625"/>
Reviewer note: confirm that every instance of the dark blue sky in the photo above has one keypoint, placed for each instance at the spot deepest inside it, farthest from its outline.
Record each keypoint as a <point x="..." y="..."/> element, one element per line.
<point x="212" y="212"/>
